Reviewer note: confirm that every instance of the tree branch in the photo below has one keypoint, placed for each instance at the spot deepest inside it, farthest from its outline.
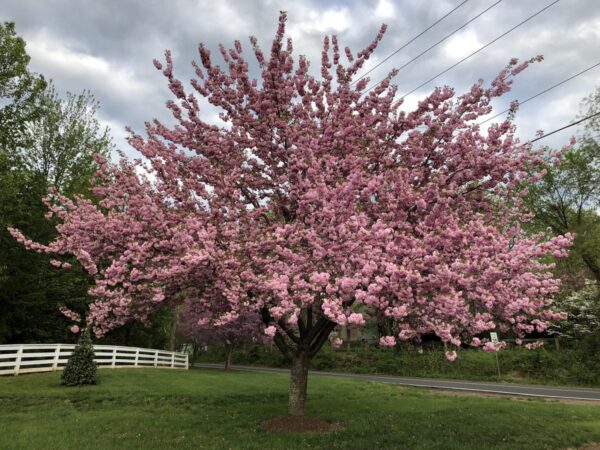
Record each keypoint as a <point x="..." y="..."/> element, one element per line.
<point x="321" y="339"/>
<point x="282" y="346"/>
<point x="289" y="333"/>
<point x="301" y="327"/>
<point x="313" y="333"/>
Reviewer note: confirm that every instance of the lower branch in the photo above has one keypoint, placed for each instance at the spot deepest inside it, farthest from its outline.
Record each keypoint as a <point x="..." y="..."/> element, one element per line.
<point x="282" y="346"/>
<point x="321" y="339"/>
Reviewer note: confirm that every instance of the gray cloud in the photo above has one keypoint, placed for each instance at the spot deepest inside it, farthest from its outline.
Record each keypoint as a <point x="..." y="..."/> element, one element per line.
<point x="108" y="47"/>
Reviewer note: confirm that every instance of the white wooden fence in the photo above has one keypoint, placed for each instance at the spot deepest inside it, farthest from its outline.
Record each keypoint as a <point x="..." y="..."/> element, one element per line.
<point x="28" y="358"/>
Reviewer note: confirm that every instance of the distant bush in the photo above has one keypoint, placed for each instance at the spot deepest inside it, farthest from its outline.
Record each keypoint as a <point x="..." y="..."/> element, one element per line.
<point x="80" y="368"/>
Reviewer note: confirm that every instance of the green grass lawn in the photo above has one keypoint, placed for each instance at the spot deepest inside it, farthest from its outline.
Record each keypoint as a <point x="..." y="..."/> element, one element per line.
<point x="152" y="408"/>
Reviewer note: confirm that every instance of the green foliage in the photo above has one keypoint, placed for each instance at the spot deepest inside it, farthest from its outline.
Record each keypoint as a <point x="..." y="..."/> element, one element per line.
<point x="81" y="368"/>
<point x="63" y="141"/>
<point x="45" y="141"/>
<point x="136" y="334"/>
<point x="159" y="409"/>
<point x="566" y="201"/>
<point x="30" y="289"/>
<point x="19" y="89"/>
<point x="590" y="106"/>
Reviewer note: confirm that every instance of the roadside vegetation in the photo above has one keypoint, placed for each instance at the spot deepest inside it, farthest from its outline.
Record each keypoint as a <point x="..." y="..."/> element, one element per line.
<point x="570" y="365"/>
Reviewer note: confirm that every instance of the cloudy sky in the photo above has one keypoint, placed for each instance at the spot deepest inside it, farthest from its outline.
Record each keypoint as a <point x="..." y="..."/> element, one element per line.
<point x="108" y="47"/>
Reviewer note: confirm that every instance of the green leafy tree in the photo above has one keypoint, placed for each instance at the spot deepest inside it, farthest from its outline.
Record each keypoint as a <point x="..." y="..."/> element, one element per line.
<point x="589" y="106"/>
<point x="19" y="88"/>
<point x="64" y="140"/>
<point x="45" y="141"/>
<point x="81" y="367"/>
<point x="566" y="200"/>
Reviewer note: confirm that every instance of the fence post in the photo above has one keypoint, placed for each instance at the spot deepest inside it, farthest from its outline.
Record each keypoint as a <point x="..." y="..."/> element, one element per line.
<point x="172" y="360"/>
<point x="18" y="360"/>
<point x="187" y="362"/>
<point x="114" y="358"/>
<point x="156" y="358"/>
<point x="56" y="357"/>
<point x="137" y="355"/>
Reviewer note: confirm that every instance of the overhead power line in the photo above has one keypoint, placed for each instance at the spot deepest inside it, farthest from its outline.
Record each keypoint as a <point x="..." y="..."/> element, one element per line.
<point x="483" y="47"/>
<point x="566" y="126"/>
<point x="408" y="43"/>
<point x="437" y="43"/>
<point x="543" y="92"/>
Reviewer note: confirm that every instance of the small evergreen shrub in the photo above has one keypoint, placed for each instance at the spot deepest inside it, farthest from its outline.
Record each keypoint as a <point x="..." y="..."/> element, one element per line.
<point x="80" y="368"/>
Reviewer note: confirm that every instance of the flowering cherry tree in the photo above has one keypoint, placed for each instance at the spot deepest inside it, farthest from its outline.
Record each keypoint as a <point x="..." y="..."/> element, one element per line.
<point x="202" y="323"/>
<point x="315" y="204"/>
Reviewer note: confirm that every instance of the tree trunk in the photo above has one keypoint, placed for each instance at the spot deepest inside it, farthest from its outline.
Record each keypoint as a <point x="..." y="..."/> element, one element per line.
<point x="229" y="350"/>
<point x="195" y="352"/>
<point x="173" y="331"/>
<point x="298" y="384"/>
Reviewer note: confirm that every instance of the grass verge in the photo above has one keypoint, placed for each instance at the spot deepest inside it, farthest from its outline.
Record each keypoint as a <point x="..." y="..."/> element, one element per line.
<point x="153" y="408"/>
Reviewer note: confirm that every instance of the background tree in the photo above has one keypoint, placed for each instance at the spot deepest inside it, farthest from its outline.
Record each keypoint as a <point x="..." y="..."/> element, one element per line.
<point x="64" y="140"/>
<point x="583" y="312"/>
<point x="591" y="105"/>
<point x="19" y="89"/>
<point x="45" y="142"/>
<point x="316" y="200"/>
<point x="200" y="325"/>
<point x="566" y="201"/>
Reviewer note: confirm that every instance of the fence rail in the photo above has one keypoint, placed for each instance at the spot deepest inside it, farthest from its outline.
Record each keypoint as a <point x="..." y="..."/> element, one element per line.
<point x="28" y="358"/>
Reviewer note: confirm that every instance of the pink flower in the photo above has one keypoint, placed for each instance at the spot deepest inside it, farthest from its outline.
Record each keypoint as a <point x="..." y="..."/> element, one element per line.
<point x="534" y="345"/>
<point x="70" y="314"/>
<point x="86" y="261"/>
<point x="490" y="347"/>
<point x="337" y="343"/>
<point x="319" y="278"/>
<point x="451" y="356"/>
<point x="270" y="331"/>
<point x="387" y="341"/>
<point x="356" y="319"/>
<point x="74" y="329"/>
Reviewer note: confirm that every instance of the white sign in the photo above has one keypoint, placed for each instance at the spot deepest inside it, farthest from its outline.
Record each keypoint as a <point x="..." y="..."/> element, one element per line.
<point x="494" y="337"/>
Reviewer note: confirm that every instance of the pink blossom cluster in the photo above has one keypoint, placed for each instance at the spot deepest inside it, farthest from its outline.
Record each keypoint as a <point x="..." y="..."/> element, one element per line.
<point x="534" y="345"/>
<point x="337" y="342"/>
<point x="387" y="341"/>
<point x="451" y="355"/>
<point x="72" y="315"/>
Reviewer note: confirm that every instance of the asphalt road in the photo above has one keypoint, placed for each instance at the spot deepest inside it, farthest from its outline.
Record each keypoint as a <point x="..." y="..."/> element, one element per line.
<point x="455" y="385"/>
